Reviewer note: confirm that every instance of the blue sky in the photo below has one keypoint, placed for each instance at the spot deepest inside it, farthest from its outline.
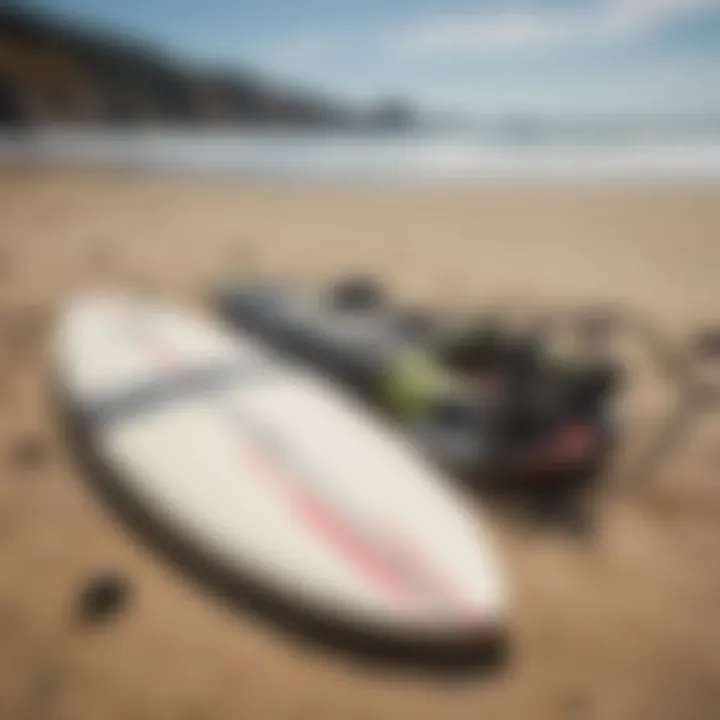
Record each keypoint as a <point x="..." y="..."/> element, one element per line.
<point x="556" y="56"/>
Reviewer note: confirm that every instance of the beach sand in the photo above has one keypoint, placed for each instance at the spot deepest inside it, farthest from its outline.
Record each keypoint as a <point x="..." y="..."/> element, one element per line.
<point x="624" y="624"/>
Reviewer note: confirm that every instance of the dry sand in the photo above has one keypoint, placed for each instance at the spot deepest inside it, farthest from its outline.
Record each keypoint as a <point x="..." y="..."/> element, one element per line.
<point x="624" y="625"/>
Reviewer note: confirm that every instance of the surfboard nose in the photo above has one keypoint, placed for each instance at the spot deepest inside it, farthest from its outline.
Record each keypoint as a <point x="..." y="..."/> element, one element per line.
<point x="450" y="589"/>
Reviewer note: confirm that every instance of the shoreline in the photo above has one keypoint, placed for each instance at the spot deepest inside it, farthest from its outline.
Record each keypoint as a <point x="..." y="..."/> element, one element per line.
<point x="238" y="179"/>
<point x="415" y="160"/>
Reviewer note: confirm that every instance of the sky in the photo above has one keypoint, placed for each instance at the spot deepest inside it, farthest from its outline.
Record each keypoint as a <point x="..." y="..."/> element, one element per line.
<point x="481" y="56"/>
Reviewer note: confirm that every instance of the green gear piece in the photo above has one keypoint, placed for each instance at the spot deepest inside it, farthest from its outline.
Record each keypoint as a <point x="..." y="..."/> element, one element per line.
<point x="414" y="383"/>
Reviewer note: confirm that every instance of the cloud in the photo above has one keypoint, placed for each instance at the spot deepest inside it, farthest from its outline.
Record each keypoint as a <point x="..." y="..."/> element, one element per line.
<point x="671" y="86"/>
<point x="605" y="22"/>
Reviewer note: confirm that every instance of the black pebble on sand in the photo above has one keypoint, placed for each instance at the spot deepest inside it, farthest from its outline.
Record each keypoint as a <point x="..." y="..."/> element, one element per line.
<point x="28" y="453"/>
<point x="707" y="345"/>
<point x="102" y="598"/>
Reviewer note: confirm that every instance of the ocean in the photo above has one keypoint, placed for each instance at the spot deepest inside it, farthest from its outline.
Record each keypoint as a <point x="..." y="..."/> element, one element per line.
<point x="418" y="156"/>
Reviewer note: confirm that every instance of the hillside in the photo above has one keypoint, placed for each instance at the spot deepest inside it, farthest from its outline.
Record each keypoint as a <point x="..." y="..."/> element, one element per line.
<point x="52" y="71"/>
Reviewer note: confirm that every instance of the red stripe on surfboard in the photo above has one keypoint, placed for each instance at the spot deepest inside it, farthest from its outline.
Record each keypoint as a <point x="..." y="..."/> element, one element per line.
<point x="328" y="524"/>
<point x="365" y="559"/>
<point x="415" y="559"/>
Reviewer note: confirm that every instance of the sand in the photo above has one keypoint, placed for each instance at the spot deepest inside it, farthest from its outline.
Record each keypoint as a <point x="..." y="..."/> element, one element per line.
<point x="623" y="624"/>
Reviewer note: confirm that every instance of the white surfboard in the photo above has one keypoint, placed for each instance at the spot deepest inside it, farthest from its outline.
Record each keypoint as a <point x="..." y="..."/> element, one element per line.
<point x="274" y="473"/>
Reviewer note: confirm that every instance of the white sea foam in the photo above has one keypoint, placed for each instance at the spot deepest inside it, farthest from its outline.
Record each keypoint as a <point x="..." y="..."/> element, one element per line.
<point x="409" y="157"/>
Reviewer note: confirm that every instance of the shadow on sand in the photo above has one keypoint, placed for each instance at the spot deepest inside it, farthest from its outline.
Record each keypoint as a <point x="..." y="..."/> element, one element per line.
<point x="471" y="657"/>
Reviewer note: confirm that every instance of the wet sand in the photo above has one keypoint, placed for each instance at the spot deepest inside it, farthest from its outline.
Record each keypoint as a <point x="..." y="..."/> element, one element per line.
<point x="624" y="624"/>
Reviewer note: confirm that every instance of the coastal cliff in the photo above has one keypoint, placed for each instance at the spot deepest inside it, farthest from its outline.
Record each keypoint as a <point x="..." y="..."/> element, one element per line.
<point x="58" y="72"/>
